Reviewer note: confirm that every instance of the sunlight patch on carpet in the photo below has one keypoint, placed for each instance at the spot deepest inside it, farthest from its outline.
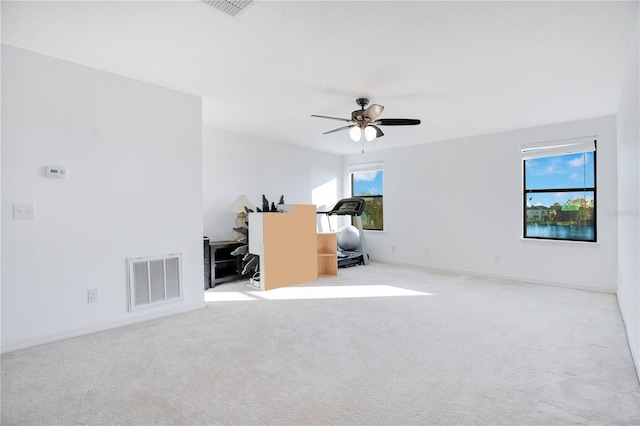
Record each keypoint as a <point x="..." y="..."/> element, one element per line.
<point x="320" y="292"/>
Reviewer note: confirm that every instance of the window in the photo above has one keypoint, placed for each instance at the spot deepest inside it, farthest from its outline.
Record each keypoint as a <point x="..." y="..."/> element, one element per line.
<point x="560" y="190"/>
<point x="366" y="182"/>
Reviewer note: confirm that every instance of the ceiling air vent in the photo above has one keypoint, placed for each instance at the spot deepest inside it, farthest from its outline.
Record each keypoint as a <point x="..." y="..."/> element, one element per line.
<point x="230" y="7"/>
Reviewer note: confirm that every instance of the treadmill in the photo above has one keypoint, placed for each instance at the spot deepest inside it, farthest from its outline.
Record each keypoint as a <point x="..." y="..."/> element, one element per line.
<point x="351" y="207"/>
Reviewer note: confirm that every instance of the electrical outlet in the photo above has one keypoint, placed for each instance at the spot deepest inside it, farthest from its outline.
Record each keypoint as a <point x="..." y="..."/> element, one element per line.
<point x="393" y="249"/>
<point x="426" y="252"/>
<point x="92" y="295"/>
<point x="497" y="258"/>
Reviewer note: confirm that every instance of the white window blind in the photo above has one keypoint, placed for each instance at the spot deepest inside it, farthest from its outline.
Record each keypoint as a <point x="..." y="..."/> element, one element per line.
<point x="559" y="147"/>
<point x="365" y="167"/>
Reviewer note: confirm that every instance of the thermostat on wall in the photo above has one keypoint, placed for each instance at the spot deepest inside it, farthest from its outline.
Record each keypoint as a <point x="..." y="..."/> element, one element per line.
<point x="56" y="172"/>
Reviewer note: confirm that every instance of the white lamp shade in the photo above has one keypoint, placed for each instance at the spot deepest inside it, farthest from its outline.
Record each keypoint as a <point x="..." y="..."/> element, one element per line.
<point x="240" y="203"/>
<point x="370" y="133"/>
<point x="355" y="133"/>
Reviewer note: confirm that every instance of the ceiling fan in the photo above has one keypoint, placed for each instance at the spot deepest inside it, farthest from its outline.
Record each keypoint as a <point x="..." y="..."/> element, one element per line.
<point x="366" y="121"/>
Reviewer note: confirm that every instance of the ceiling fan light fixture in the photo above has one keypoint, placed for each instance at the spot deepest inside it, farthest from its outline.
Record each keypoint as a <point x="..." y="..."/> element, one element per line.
<point x="365" y="122"/>
<point x="370" y="133"/>
<point x="355" y="133"/>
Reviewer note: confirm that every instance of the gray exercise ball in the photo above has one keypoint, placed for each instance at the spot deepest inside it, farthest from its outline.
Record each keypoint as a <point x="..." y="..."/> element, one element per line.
<point x="348" y="238"/>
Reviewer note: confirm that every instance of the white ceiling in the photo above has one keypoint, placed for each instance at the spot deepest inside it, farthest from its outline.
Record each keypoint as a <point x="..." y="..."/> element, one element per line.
<point x="463" y="68"/>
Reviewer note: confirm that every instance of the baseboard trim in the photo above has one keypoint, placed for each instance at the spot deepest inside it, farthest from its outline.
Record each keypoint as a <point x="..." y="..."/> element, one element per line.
<point x="495" y="277"/>
<point x="634" y="346"/>
<point x="16" y="345"/>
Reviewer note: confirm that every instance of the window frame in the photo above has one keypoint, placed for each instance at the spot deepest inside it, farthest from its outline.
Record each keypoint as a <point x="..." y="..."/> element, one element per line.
<point x="368" y="167"/>
<point x="558" y="148"/>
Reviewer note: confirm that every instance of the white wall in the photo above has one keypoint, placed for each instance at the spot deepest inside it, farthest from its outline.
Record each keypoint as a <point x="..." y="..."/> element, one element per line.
<point x="628" y="212"/>
<point x="462" y="201"/>
<point x="235" y="164"/>
<point x="134" y="189"/>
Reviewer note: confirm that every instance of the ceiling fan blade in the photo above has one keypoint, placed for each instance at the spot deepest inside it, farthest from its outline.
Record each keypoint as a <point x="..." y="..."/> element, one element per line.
<point x="331" y="118"/>
<point x="379" y="133"/>
<point x="372" y="112"/>
<point x="397" y="122"/>
<point x="338" y="129"/>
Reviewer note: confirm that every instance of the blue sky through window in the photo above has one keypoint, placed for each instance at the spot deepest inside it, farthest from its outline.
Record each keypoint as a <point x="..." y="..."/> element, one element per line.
<point x="367" y="183"/>
<point x="560" y="172"/>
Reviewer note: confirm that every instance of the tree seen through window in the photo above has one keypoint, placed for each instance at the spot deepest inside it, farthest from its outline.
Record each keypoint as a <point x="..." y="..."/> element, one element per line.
<point x="368" y="185"/>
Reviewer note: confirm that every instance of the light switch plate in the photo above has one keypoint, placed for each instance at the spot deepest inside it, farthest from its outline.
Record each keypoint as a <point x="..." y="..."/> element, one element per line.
<point x="23" y="211"/>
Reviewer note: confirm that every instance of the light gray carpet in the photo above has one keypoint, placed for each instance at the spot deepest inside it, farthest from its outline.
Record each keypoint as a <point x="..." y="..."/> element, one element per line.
<point x="378" y="345"/>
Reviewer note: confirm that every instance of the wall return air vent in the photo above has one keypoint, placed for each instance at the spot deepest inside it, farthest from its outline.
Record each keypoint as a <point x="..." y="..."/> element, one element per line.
<point x="154" y="280"/>
<point x="230" y="7"/>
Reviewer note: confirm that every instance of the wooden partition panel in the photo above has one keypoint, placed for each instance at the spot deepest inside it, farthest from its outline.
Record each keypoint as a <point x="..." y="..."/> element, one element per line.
<point x="287" y="246"/>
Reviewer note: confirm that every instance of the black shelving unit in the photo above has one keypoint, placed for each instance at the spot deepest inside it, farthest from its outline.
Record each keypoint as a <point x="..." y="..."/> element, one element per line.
<point x="207" y="263"/>
<point x="225" y="266"/>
